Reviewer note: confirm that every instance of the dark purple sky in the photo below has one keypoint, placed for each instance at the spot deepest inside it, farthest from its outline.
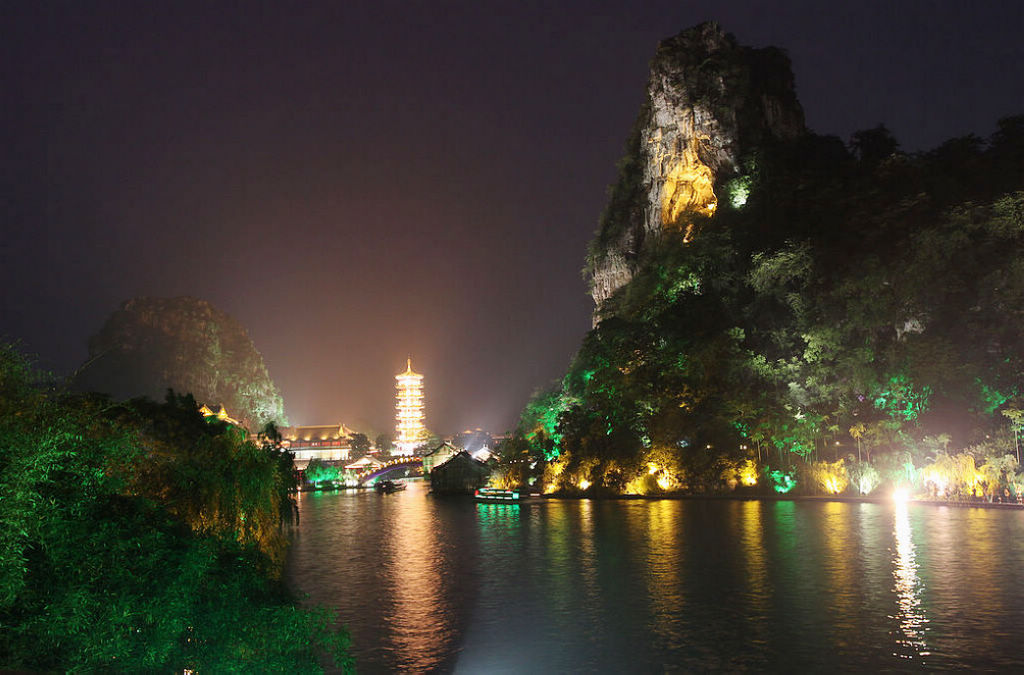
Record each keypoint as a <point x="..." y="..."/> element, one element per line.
<point x="361" y="181"/>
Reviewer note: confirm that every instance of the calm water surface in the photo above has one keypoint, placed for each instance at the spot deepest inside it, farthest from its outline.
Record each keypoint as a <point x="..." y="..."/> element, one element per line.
<point x="427" y="584"/>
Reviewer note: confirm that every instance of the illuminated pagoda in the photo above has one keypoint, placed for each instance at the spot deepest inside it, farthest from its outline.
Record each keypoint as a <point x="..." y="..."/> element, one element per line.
<point x="409" y="432"/>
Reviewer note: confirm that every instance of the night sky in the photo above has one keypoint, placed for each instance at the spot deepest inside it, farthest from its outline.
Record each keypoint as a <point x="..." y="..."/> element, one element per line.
<point x="358" y="182"/>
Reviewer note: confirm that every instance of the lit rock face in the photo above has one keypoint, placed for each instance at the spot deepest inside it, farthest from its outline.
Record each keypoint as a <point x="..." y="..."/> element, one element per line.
<point x="613" y="273"/>
<point x="709" y="101"/>
<point x="151" y="344"/>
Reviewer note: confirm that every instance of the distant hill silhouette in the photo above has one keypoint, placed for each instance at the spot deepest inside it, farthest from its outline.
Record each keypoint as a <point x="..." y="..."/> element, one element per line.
<point x="151" y="344"/>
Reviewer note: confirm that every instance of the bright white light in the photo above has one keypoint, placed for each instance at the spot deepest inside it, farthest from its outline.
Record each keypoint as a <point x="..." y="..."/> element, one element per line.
<point x="900" y="495"/>
<point x="482" y="454"/>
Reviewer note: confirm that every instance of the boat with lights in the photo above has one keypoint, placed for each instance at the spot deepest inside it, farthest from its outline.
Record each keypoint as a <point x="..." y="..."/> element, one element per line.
<point x="496" y="495"/>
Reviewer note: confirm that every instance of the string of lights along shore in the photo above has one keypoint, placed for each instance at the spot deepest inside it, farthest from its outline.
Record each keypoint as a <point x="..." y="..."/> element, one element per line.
<point x="409" y="432"/>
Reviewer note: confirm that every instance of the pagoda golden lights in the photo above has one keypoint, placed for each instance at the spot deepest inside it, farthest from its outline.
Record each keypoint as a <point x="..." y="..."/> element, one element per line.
<point x="409" y="432"/>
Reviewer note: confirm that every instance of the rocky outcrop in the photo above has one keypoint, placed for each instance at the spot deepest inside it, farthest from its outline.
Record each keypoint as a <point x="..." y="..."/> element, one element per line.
<point x="613" y="272"/>
<point x="151" y="344"/>
<point x="709" y="100"/>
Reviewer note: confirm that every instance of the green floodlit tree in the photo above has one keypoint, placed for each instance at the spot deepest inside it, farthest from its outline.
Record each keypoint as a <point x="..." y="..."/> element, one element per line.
<point x="317" y="471"/>
<point x="126" y="545"/>
<point x="538" y="426"/>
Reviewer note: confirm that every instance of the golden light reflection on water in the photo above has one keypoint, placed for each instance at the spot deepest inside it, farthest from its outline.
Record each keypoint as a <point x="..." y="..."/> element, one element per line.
<point x="752" y="543"/>
<point x="558" y="587"/>
<point x="838" y="536"/>
<point x="987" y="561"/>
<point x="664" y="562"/>
<point x="588" y="557"/>
<point x="420" y="625"/>
<point x="987" y="549"/>
<point x="909" y="612"/>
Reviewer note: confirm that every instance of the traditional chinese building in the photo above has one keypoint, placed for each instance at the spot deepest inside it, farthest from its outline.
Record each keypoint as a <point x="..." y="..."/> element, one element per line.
<point x="220" y="412"/>
<point x="437" y="456"/>
<point x="409" y="430"/>
<point x="460" y="474"/>
<point x="364" y="463"/>
<point x="331" y="442"/>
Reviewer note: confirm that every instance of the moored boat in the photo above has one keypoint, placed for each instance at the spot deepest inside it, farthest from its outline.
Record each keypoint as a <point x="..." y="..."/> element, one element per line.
<point x="389" y="486"/>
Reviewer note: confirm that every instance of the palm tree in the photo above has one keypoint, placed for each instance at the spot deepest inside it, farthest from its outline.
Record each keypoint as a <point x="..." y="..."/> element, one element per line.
<point x="1016" y="416"/>
<point x="857" y="430"/>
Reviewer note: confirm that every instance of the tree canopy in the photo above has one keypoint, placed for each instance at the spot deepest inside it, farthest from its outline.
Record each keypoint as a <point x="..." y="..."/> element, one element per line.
<point x="140" y="537"/>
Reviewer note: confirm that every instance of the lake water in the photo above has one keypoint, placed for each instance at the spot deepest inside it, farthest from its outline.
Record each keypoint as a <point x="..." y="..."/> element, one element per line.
<point x="429" y="584"/>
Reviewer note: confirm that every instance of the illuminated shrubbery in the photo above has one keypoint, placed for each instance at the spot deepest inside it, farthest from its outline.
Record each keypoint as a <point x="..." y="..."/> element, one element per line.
<point x="951" y="475"/>
<point x="659" y="471"/>
<point x="781" y="480"/>
<point x="317" y="471"/>
<point x="644" y="484"/>
<point x="581" y="475"/>
<point x="999" y="474"/>
<point x="863" y="477"/>
<point x="959" y="476"/>
<point x="504" y="477"/>
<point x="554" y="473"/>
<point x="829" y="477"/>
<point x="739" y="472"/>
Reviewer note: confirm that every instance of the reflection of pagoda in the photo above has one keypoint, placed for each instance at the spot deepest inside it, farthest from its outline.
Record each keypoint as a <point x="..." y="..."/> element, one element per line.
<point x="409" y="432"/>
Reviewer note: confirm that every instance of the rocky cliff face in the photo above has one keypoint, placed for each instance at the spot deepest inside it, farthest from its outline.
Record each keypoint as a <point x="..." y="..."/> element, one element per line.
<point x="709" y="101"/>
<point x="151" y="344"/>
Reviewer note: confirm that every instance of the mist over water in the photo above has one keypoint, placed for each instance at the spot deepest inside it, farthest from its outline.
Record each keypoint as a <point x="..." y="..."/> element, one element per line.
<point x="447" y="585"/>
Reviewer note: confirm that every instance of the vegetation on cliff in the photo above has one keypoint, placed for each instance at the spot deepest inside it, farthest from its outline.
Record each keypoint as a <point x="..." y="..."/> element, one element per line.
<point x="150" y="345"/>
<point x="854" y="316"/>
<point x="141" y="537"/>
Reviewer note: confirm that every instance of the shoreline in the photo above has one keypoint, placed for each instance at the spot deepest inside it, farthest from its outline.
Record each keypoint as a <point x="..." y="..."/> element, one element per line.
<point x="534" y="498"/>
<point x="790" y="498"/>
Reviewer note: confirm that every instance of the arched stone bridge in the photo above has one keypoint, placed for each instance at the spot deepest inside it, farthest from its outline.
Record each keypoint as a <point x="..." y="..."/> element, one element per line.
<point x="371" y="475"/>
